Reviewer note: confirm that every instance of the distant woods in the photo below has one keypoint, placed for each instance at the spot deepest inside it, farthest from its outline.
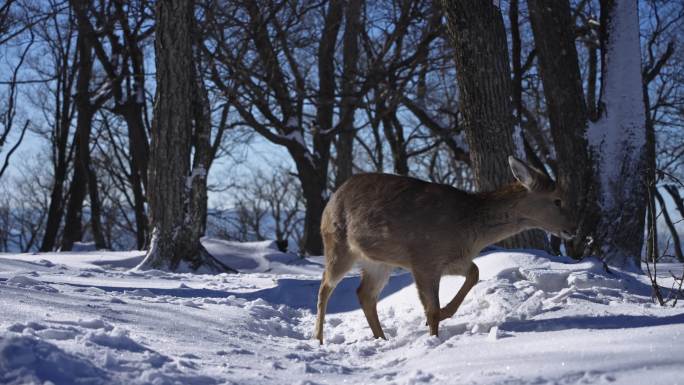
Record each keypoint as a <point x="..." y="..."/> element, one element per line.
<point x="121" y="130"/>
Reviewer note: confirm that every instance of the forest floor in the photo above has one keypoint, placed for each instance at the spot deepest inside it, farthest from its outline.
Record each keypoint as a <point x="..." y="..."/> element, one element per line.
<point x="89" y="318"/>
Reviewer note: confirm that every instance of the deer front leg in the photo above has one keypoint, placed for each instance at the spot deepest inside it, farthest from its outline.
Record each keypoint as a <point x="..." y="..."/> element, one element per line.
<point x="428" y="291"/>
<point x="472" y="277"/>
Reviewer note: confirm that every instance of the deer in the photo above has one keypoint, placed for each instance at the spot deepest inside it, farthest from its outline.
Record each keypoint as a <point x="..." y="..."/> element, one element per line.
<point x="384" y="221"/>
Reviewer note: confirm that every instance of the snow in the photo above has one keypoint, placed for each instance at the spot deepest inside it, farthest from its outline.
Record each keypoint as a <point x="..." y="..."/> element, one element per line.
<point x="87" y="318"/>
<point x="198" y="171"/>
<point x="296" y="135"/>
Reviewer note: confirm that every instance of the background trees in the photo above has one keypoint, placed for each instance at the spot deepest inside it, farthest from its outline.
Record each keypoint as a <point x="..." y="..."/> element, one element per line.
<point x="325" y="90"/>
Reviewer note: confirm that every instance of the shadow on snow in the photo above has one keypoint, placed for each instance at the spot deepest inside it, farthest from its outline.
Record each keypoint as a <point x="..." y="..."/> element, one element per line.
<point x="296" y="293"/>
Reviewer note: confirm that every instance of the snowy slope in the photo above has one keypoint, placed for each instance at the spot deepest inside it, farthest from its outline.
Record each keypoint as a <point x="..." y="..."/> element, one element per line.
<point x="86" y="318"/>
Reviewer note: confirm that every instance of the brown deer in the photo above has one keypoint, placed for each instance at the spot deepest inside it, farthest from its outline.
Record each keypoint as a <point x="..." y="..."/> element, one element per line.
<point x="384" y="221"/>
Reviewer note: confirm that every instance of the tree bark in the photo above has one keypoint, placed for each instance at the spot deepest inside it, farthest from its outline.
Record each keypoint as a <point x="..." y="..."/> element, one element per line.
<point x="84" y="179"/>
<point x="618" y="138"/>
<point x="60" y="155"/>
<point x="139" y="149"/>
<point x="313" y="171"/>
<point x="555" y="43"/>
<point x="477" y="31"/>
<point x="676" y="197"/>
<point x="603" y="164"/>
<point x="176" y="228"/>
<point x="350" y="55"/>
<point x="313" y="188"/>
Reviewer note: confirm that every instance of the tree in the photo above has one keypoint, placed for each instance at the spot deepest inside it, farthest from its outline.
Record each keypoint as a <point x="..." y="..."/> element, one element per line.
<point x="8" y="106"/>
<point x="568" y="115"/>
<point x="59" y="38"/>
<point x="477" y="32"/>
<point x="277" y="102"/>
<point x="123" y="32"/>
<point x="84" y="174"/>
<point x="602" y="162"/>
<point x="618" y="137"/>
<point x="350" y="72"/>
<point x="175" y="195"/>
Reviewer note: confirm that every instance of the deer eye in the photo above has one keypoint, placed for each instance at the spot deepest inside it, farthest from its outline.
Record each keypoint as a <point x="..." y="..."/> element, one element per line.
<point x="558" y="203"/>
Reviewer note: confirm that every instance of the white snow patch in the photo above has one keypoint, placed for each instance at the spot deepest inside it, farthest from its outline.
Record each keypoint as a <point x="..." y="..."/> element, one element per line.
<point x="532" y="318"/>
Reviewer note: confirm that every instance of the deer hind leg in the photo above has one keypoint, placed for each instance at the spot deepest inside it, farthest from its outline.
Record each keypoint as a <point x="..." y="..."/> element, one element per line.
<point x="339" y="261"/>
<point x="472" y="276"/>
<point x="428" y="291"/>
<point x="374" y="277"/>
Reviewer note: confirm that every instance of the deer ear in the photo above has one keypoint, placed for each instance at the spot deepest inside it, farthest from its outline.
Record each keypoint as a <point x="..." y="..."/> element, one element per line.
<point x="523" y="173"/>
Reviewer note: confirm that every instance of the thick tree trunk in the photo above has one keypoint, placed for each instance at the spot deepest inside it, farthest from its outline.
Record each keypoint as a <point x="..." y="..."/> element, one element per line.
<point x="176" y="229"/>
<point x="315" y="202"/>
<point x="313" y="170"/>
<point x="618" y="138"/>
<point x="555" y="42"/>
<point x="477" y="31"/>
<point x="603" y="165"/>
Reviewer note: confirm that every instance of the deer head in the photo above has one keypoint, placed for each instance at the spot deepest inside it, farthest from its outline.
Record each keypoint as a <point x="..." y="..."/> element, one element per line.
<point x="542" y="207"/>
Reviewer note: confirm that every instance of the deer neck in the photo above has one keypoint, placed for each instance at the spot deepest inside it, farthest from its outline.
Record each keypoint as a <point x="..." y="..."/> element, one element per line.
<point x="501" y="215"/>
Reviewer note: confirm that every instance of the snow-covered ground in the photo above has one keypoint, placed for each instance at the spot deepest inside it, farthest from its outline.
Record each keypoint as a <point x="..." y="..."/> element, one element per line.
<point x="87" y="318"/>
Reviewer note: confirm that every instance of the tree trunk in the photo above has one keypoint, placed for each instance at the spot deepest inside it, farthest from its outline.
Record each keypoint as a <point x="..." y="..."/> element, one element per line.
<point x="56" y="208"/>
<point x="94" y="195"/>
<point x="555" y="43"/>
<point x="477" y="31"/>
<point x="676" y="198"/>
<point x="176" y="229"/>
<point x="676" y="243"/>
<point x="73" y="226"/>
<point x="313" y="170"/>
<point x="602" y="165"/>
<point x="394" y="133"/>
<point x="315" y="201"/>
<point x="61" y="151"/>
<point x="350" y="54"/>
<point x="84" y="175"/>
<point x="132" y="112"/>
<point x="618" y="138"/>
<point x="138" y="149"/>
<point x="202" y="156"/>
